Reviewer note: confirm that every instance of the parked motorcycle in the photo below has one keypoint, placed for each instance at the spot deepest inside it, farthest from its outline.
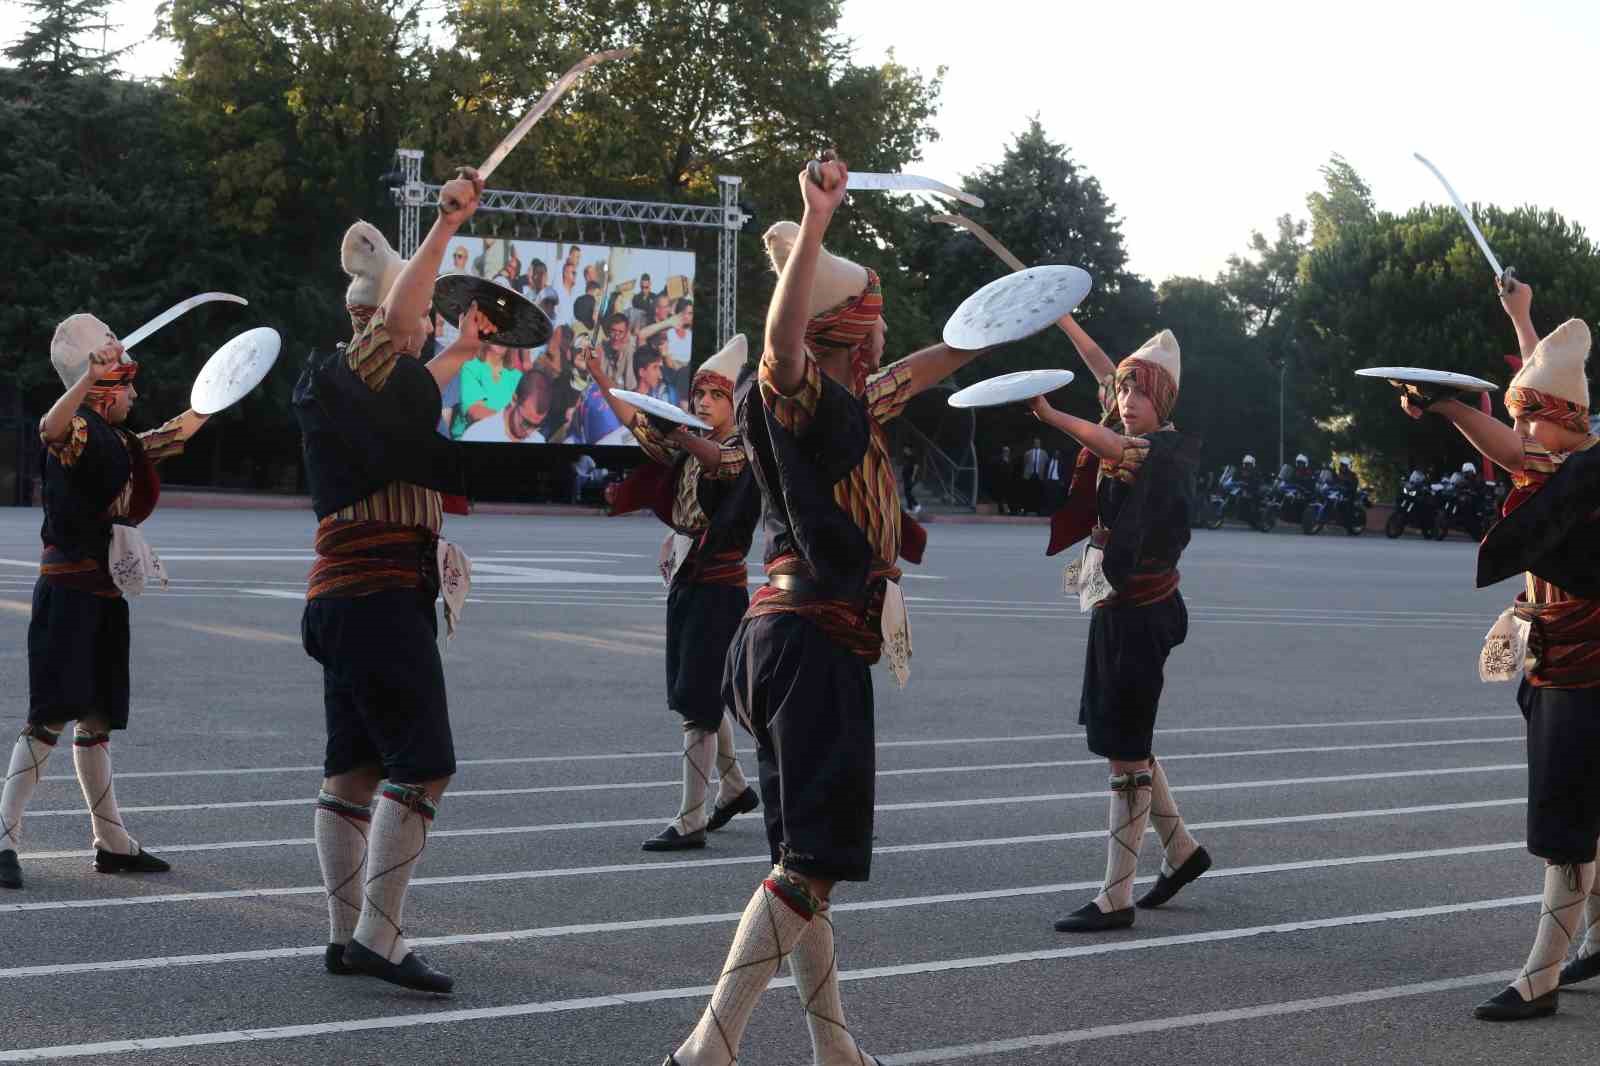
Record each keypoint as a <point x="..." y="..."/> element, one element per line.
<point x="1291" y="497"/>
<point x="1463" y="508"/>
<point x="1414" y="507"/>
<point x="1339" y="506"/>
<point x="1243" y="501"/>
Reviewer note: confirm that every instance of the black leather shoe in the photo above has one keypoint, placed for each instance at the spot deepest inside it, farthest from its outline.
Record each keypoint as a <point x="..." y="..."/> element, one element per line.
<point x="1167" y="887"/>
<point x="669" y="839"/>
<point x="140" y="862"/>
<point x="1089" y="918"/>
<point x="333" y="961"/>
<point x="10" y="870"/>
<point x="410" y="972"/>
<point x="1509" y="1006"/>
<point x="1579" y="969"/>
<point x="743" y="803"/>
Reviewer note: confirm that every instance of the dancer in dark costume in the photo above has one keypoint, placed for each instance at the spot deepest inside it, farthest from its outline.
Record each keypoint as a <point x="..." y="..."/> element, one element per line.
<point x="1130" y="496"/>
<point x="702" y="489"/>
<point x="100" y="483"/>
<point x="1550" y="637"/>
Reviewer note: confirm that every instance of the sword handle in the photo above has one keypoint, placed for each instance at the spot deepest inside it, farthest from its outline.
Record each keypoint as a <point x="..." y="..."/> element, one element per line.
<point x="1508" y="280"/>
<point x="814" y="172"/>
<point x="450" y="203"/>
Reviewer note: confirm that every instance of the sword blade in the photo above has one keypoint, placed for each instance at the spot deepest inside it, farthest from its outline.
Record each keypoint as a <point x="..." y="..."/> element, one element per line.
<point x="1466" y="217"/>
<point x="176" y="310"/>
<point x="909" y="183"/>
<point x="545" y="103"/>
<point x="983" y="235"/>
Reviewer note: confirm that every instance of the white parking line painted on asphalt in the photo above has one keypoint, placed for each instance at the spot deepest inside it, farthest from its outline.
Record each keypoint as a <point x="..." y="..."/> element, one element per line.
<point x="986" y="842"/>
<point x="916" y="805"/>
<point x="519" y="1010"/>
<point x="556" y="873"/>
<point x="1024" y="738"/>
<point x="647" y="924"/>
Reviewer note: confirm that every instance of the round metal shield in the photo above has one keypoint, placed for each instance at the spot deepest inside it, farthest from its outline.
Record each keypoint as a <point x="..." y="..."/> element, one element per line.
<point x="1411" y="375"/>
<point x="518" y="321"/>
<point x="1010" y="388"/>
<point x="660" y="409"/>
<point x="1016" y="306"/>
<point x="236" y="368"/>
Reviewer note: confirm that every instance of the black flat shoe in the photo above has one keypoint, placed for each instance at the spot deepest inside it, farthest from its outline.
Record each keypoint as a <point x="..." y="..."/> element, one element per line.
<point x="1509" y="1006"/>
<point x="410" y="972"/>
<point x="1167" y="887"/>
<point x="743" y="803"/>
<point x="140" y="862"/>
<point x="1579" y="969"/>
<point x="10" y="870"/>
<point x="333" y="961"/>
<point x="669" y="839"/>
<point x="1089" y="918"/>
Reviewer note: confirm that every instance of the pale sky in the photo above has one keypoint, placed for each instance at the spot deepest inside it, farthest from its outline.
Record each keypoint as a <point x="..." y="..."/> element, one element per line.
<point x="1205" y="120"/>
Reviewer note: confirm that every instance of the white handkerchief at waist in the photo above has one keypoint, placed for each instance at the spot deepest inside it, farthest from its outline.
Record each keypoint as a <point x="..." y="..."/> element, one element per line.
<point x="455" y="582"/>
<point x="674" y="552"/>
<point x="133" y="563"/>
<point x="1087" y="577"/>
<point x="896" y="627"/>
<point x="1504" y="648"/>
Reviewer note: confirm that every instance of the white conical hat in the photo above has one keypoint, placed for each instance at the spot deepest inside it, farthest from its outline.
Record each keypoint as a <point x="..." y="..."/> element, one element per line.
<point x="727" y="363"/>
<point x="1556" y="365"/>
<point x="371" y="263"/>
<point x="1162" y="350"/>
<point x="837" y="279"/>
<point x="76" y="338"/>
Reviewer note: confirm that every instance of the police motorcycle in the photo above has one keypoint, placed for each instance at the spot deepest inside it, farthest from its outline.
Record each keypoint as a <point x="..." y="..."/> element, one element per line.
<point x="1293" y="491"/>
<point x="1242" y="499"/>
<point x="1337" y="504"/>
<point x="1415" y="506"/>
<point x="1463" y="505"/>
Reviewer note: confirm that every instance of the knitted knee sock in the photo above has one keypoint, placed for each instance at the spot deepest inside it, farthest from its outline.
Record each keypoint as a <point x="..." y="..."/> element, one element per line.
<point x="399" y="836"/>
<point x="699" y="749"/>
<point x="777" y="916"/>
<point x="815" y="966"/>
<point x="1591" y="919"/>
<point x="1565" y="888"/>
<point x="730" y="777"/>
<point x="91" y="756"/>
<point x="32" y="751"/>
<point x="1176" y="842"/>
<point x="1130" y="810"/>
<point x="341" y="832"/>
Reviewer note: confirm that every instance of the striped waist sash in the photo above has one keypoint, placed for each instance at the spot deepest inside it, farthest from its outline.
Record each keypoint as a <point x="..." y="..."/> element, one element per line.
<point x="1563" y="643"/>
<point x="358" y="558"/>
<point x="85" y="575"/>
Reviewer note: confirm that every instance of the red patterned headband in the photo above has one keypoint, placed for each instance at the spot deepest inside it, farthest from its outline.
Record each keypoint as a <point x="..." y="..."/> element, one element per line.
<point x="1152" y="380"/>
<point x="712" y="380"/>
<point x="1545" y="407"/>
<point x="849" y="325"/>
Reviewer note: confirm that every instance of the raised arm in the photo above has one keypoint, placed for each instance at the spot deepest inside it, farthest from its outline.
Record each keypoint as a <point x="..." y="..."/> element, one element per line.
<point x="1518" y="302"/>
<point x="1486" y="433"/>
<point x="412" y="295"/>
<point x="1104" y="442"/>
<point x="624" y="410"/>
<point x="1094" y="357"/>
<point x="932" y="365"/>
<point x="57" y="422"/>
<point x="790" y="308"/>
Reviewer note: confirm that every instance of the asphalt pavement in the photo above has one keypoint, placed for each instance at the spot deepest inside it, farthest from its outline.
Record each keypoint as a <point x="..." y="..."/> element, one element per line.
<point x="1330" y="743"/>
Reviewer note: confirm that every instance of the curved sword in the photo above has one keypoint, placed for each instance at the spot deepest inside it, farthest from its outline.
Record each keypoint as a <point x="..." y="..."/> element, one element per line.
<point x="863" y="180"/>
<point x="988" y="239"/>
<point x="1503" y="275"/>
<point x="176" y="310"/>
<point x="543" y="104"/>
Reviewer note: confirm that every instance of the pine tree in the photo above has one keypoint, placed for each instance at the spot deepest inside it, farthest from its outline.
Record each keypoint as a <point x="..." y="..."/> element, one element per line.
<point x="52" y="46"/>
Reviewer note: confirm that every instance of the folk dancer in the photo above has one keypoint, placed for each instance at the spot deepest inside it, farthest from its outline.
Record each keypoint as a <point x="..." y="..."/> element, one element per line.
<point x="1130" y="496"/>
<point x="702" y="490"/>
<point x="798" y="668"/>
<point x="100" y="484"/>
<point x="1550" y="636"/>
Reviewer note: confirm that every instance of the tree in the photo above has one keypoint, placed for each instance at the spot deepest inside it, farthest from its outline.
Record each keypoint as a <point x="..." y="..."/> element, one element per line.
<point x="1345" y="201"/>
<point x="1228" y="395"/>
<point x="49" y="46"/>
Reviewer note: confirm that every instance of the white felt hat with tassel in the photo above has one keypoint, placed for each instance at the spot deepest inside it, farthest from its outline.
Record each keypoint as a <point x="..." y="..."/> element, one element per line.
<point x="1556" y="365"/>
<point x="1162" y="350"/>
<point x="727" y="363"/>
<point x="371" y="263"/>
<point x="76" y="338"/>
<point x="837" y="279"/>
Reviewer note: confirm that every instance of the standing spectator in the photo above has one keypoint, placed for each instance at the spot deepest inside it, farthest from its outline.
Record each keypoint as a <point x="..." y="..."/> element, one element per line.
<point x="617" y="349"/>
<point x="458" y="259"/>
<point x="567" y="292"/>
<point x="644" y="299"/>
<point x="679" y="337"/>
<point x="649" y="368"/>
<point x="908" y="478"/>
<point x="536" y="285"/>
<point x="1055" y="490"/>
<point x="584" y="307"/>
<point x="1000" y="481"/>
<point x="1035" y="463"/>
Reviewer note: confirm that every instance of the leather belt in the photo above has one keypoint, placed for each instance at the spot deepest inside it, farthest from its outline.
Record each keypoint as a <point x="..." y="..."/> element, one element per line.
<point x="805" y="589"/>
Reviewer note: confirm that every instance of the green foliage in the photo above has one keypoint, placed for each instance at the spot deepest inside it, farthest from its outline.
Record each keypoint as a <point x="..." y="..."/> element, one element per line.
<point x="50" y="47"/>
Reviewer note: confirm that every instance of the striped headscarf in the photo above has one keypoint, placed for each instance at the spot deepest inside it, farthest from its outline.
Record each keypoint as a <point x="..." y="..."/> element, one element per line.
<point x="1150" y="379"/>
<point x="104" y="390"/>
<point x="1533" y="404"/>
<point x="848" y="327"/>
